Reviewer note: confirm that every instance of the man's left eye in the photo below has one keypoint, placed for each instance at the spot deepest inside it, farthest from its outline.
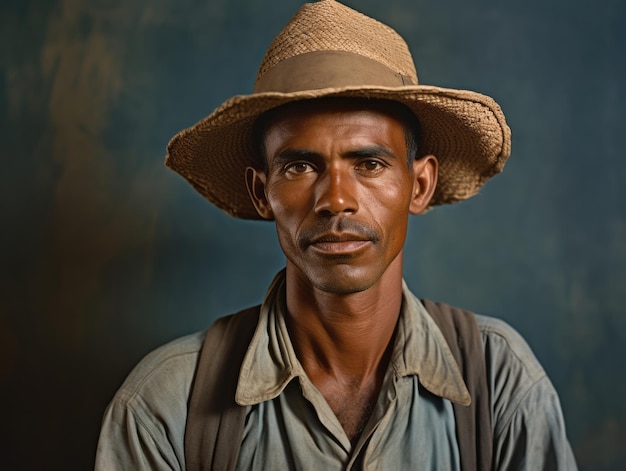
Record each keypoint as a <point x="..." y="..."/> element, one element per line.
<point x="370" y="165"/>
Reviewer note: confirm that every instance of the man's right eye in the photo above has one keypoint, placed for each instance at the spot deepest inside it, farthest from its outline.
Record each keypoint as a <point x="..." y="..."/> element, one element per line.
<point x="298" y="168"/>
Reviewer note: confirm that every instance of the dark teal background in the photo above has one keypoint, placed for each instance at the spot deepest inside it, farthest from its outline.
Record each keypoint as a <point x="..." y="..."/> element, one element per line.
<point x="105" y="253"/>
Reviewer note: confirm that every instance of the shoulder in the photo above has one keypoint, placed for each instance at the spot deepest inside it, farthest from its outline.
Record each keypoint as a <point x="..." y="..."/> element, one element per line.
<point x="513" y="371"/>
<point x="145" y="420"/>
<point x="504" y="346"/>
<point x="525" y="406"/>
<point x="147" y="417"/>
<point x="167" y="372"/>
<point x="527" y="420"/>
<point x="171" y="365"/>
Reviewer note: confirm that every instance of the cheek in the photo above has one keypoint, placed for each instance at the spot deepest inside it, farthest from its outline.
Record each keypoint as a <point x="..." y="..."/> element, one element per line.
<point x="391" y="211"/>
<point x="391" y="200"/>
<point x="290" y="197"/>
<point x="289" y="207"/>
<point x="284" y="203"/>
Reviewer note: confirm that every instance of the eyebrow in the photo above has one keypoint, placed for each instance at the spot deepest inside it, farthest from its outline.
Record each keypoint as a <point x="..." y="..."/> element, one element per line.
<point x="372" y="151"/>
<point x="289" y="155"/>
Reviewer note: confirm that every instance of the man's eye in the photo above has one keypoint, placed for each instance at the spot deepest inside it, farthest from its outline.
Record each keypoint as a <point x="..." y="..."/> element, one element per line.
<point x="370" y="166"/>
<point x="299" y="167"/>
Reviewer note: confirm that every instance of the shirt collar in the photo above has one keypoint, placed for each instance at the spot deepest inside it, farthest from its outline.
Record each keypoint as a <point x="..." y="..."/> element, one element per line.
<point x="420" y="349"/>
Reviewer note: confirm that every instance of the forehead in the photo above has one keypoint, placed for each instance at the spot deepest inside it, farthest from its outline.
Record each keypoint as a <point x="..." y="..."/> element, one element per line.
<point x="322" y="109"/>
<point x="333" y="130"/>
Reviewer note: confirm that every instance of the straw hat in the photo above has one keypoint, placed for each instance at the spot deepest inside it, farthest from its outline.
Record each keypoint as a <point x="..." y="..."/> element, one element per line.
<point x="330" y="50"/>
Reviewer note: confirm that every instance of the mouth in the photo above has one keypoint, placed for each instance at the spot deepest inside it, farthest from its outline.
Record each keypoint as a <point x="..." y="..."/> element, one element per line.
<point x="339" y="244"/>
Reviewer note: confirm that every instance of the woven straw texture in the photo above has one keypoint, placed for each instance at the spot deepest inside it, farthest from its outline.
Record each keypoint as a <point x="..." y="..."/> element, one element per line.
<point x="339" y="28"/>
<point x="465" y="130"/>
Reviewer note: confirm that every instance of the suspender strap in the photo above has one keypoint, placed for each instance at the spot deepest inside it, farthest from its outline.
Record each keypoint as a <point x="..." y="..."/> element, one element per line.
<point x="214" y="421"/>
<point x="473" y="422"/>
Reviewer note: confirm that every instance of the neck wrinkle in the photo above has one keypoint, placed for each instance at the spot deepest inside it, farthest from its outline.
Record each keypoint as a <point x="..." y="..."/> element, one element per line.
<point x="344" y="336"/>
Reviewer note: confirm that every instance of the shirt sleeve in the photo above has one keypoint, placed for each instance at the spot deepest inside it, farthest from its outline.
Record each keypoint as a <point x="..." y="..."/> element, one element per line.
<point x="534" y="436"/>
<point x="127" y="443"/>
<point x="144" y="425"/>
<point x="527" y="421"/>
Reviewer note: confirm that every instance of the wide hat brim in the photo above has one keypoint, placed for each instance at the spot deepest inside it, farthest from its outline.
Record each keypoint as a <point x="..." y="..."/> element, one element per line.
<point x="465" y="130"/>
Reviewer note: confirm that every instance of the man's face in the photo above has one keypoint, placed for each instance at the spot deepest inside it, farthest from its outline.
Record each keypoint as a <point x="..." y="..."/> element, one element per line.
<point x="340" y="190"/>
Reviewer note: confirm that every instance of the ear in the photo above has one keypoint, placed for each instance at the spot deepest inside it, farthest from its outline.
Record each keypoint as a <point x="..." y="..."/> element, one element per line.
<point x="255" y="182"/>
<point x="424" y="183"/>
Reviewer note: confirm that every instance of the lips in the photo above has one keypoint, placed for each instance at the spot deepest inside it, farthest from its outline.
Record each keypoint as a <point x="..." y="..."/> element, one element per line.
<point x="337" y="237"/>
<point x="339" y="243"/>
<point x="339" y="248"/>
<point x="344" y="239"/>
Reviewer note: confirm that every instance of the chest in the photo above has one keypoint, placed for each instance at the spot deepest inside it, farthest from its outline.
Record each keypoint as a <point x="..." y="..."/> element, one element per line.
<point x="410" y="429"/>
<point x="352" y="407"/>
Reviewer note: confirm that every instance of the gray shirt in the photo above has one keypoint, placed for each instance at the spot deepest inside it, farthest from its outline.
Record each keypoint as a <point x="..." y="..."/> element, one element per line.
<point x="290" y="426"/>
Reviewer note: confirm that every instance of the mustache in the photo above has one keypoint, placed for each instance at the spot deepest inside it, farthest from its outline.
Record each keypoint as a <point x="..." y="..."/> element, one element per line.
<point x="336" y="225"/>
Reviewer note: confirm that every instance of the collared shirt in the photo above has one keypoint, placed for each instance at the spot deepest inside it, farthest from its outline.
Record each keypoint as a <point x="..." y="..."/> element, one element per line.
<point x="290" y="426"/>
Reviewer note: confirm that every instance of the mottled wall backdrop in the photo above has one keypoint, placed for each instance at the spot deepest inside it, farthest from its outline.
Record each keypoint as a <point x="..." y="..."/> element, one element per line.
<point x="106" y="254"/>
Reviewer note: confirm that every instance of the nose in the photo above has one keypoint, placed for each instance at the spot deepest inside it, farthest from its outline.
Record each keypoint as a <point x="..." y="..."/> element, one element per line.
<point x="336" y="192"/>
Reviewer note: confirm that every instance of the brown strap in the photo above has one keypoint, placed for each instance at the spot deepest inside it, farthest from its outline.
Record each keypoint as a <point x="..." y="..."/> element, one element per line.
<point x="214" y="421"/>
<point x="473" y="422"/>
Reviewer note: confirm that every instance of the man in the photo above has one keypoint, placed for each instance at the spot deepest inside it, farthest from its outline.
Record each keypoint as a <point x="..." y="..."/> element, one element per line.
<point x="341" y="367"/>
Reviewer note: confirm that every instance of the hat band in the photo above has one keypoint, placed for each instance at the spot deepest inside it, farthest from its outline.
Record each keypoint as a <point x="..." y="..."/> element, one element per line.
<point x="328" y="69"/>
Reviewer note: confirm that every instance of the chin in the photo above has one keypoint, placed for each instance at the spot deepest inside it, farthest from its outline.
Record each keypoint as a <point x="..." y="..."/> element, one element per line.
<point x="344" y="283"/>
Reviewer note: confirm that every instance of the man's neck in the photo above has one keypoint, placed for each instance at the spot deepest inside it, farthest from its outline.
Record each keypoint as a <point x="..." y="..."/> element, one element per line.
<point x="344" y="342"/>
<point x="343" y="335"/>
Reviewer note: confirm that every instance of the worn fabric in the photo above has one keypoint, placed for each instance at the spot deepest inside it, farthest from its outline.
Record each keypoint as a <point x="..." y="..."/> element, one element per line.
<point x="289" y="425"/>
